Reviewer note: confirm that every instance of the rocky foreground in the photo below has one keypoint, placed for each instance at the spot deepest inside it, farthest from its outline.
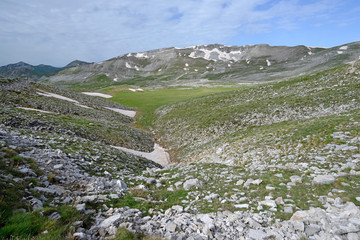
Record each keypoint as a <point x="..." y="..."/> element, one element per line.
<point x="74" y="185"/>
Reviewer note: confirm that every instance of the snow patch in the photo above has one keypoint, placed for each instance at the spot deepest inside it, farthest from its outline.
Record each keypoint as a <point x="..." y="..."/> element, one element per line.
<point x="115" y="79"/>
<point x="159" y="155"/>
<point x="340" y="52"/>
<point x="216" y="54"/>
<point x="343" y="48"/>
<point x="141" y="55"/>
<point x="268" y="63"/>
<point x="34" y="109"/>
<point x="127" y="65"/>
<point x="128" y="113"/>
<point x="160" y="70"/>
<point x="261" y="68"/>
<point x="186" y="64"/>
<point x="195" y="70"/>
<point x="97" y="94"/>
<point x="136" y="89"/>
<point x="47" y="94"/>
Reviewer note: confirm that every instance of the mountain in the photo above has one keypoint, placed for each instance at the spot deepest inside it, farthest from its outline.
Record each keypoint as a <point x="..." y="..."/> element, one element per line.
<point x="76" y="63"/>
<point x="213" y="63"/>
<point x="25" y="70"/>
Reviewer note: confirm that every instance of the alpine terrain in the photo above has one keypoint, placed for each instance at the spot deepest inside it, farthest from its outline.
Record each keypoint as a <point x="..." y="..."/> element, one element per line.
<point x="205" y="142"/>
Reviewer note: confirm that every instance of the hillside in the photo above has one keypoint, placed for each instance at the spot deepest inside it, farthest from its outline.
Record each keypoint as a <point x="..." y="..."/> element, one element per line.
<point x="206" y="65"/>
<point x="273" y="160"/>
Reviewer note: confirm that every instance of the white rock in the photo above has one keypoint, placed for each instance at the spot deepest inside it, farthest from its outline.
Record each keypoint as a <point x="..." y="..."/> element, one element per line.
<point x="269" y="203"/>
<point x="296" y="179"/>
<point x="193" y="183"/>
<point x="256" y="234"/>
<point x="110" y="221"/>
<point x="239" y="182"/>
<point x="171" y="227"/>
<point x="245" y="205"/>
<point x="81" y="207"/>
<point x="79" y="236"/>
<point x="178" y="208"/>
<point x="323" y="179"/>
<point x="58" y="166"/>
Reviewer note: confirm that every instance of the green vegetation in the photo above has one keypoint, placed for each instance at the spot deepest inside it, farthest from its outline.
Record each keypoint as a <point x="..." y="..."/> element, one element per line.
<point x="31" y="224"/>
<point x="148" y="101"/>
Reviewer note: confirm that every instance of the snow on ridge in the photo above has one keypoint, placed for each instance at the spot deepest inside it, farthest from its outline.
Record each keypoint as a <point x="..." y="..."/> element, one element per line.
<point x="343" y="48"/>
<point x="220" y="55"/>
<point x="141" y="55"/>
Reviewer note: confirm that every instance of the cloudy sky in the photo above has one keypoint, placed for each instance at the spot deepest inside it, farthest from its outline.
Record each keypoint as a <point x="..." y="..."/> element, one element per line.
<point x="57" y="32"/>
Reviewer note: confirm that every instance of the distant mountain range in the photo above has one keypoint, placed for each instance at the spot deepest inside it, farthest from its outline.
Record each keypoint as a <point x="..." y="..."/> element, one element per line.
<point x="25" y="70"/>
<point x="205" y="64"/>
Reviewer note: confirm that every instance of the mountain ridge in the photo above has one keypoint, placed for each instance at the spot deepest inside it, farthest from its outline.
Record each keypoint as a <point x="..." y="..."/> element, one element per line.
<point x="213" y="63"/>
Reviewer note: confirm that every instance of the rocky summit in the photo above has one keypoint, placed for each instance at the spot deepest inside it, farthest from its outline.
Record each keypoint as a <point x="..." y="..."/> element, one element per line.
<point x="167" y="144"/>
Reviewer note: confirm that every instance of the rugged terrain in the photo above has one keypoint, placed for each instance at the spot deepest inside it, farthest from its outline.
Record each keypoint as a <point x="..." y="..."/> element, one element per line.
<point x="208" y="65"/>
<point x="273" y="160"/>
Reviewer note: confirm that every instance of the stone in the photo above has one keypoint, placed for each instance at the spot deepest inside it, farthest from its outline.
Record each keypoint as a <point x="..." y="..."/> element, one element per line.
<point x="323" y="179"/>
<point x="55" y="215"/>
<point x="269" y="203"/>
<point x="239" y="182"/>
<point x="178" y="208"/>
<point x="79" y="236"/>
<point x="296" y="179"/>
<point x="81" y="207"/>
<point x="207" y="229"/>
<point x="353" y="236"/>
<point x="256" y="234"/>
<point x="36" y="204"/>
<point x="58" y="166"/>
<point x="193" y="183"/>
<point x="114" y="196"/>
<point x="121" y="185"/>
<point x="171" y="227"/>
<point x="298" y="226"/>
<point x="244" y="205"/>
<point x="178" y="184"/>
<point x="28" y="171"/>
<point x="113" y="220"/>
<point x="312" y="229"/>
<point x="45" y="190"/>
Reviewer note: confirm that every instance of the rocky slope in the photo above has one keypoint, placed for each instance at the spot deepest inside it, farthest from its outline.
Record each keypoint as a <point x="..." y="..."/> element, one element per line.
<point x="270" y="161"/>
<point x="209" y="64"/>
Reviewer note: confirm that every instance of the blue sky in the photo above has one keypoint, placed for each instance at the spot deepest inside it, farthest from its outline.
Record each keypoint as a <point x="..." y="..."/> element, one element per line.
<point x="57" y="32"/>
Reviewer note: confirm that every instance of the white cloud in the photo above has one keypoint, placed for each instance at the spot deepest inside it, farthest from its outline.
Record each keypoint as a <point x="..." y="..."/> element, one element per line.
<point x="57" y="32"/>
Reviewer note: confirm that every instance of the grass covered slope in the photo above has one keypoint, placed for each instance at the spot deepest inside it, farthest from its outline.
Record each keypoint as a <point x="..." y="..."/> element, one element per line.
<point x="148" y="100"/>
<point x="268" y="116"/>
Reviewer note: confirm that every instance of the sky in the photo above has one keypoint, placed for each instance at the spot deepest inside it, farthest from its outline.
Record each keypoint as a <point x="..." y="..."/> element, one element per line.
<point x="58" y="32"/>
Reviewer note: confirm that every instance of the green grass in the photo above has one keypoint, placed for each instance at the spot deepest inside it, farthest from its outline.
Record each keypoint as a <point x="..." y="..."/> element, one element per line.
<point x="32" y="224"/>
<point x="148" y="101"/>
